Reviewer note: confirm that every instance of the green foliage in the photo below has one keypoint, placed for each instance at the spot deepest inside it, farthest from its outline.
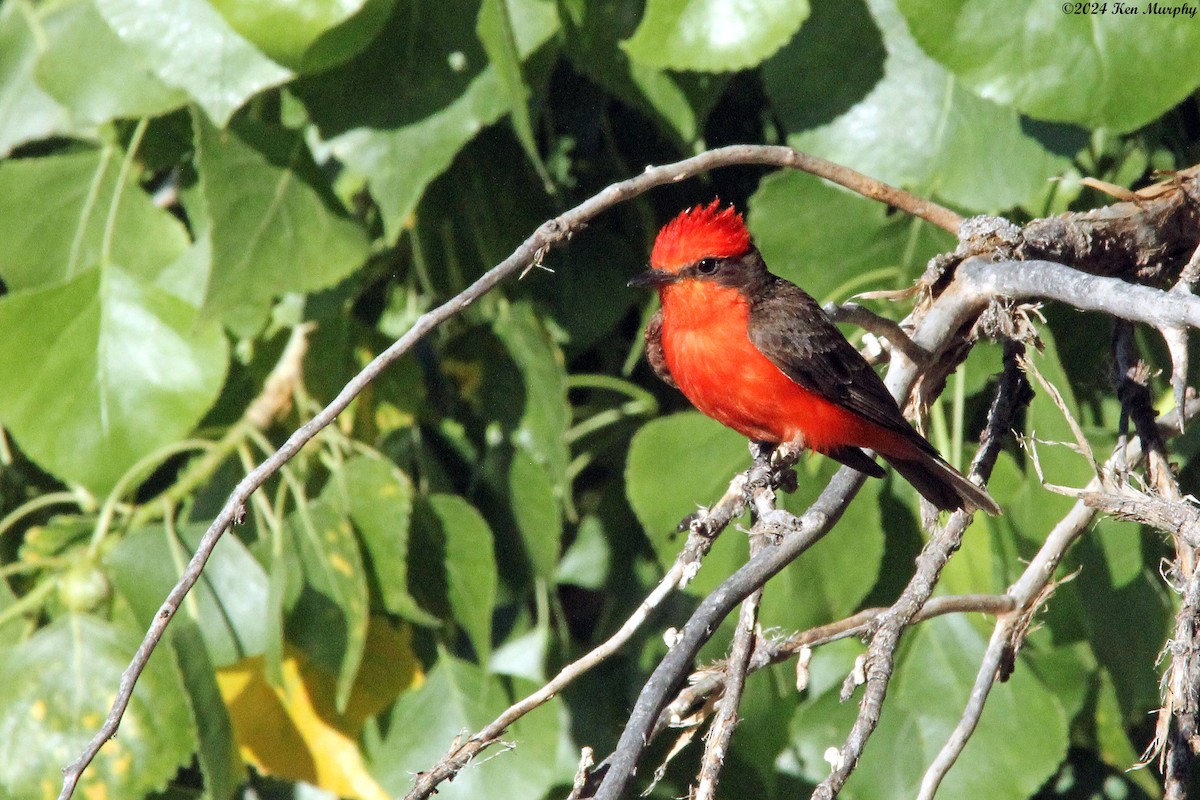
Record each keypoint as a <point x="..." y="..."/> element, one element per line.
<point x="1119" y="70"/>
<point x="213" y="213"/>
<point x="713" y="35"/>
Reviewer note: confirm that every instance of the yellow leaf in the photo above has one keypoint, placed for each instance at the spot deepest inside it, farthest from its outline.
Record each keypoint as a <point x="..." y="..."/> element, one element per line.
<point x="294" y="732"/>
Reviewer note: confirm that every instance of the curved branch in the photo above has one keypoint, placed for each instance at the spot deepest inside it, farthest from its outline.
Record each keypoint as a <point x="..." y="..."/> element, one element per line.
<point x="1048" y="280"/>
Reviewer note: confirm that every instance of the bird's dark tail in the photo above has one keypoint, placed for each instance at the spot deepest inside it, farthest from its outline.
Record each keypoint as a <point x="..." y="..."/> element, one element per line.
<point x="943" y="485"/>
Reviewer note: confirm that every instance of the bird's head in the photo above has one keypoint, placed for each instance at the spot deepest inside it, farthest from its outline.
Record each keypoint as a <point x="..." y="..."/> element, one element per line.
<point x="705" y="245"/>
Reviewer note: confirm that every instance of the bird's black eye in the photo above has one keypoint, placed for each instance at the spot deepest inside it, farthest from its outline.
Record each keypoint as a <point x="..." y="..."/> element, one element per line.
<point x="707" y="266"/>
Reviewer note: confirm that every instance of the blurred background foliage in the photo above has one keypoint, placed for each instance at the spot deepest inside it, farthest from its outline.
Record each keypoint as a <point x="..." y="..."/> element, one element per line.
<point x="213" y="213"/>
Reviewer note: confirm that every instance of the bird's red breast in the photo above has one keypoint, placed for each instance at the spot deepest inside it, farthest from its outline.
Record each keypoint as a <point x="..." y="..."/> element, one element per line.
<point x="707" y="347"/>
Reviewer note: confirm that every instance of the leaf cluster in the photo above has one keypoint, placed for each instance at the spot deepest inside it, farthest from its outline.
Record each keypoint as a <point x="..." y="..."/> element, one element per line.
<point x="213" y="213"/>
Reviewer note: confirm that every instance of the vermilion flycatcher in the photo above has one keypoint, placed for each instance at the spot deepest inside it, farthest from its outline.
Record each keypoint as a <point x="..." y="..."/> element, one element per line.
<point x="757" y="353"/>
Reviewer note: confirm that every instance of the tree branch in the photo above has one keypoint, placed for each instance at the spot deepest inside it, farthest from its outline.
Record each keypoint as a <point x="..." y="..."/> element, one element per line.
<point x="1011" y="397"/>
<point x="1027" y="595"/>
<point x="721" y="731"/>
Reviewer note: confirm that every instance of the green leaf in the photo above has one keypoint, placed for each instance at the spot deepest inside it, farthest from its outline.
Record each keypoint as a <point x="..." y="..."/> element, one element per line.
<point x="802" y="226"/>
<point x="228" y="604"/>
<point x="190" y="46"/>
<point x="954" y="144"/>
<point x="537" y="510"/>
<point x="587" y="561"/>
<point x="817" y="77"/>
<point x="678" y="103"/>
<point x="27" y="113"/>
<point x="1113" y="70"/>
<point x="495" y="31"/>
<point x="273" y="223"/>
<point x="470" y="565"/>
<point x="1021" y="738"/>
<point x="1112" y="739"/>
<point x="456" y="697"/>
<point x="94" y="73"/>
<point x="220" y="761"/>
<point x="285" y="31"/>
<point x="676" y="465"/>
<point x="329" y="618"/>
<point x="58" y="686"/>
<point x="378" y="498"/>
<point x="542" y="428"/>
<point x="400" y="111"/>
<point x="102" y="370"/>
<point x="713" y="35"/>
<point x="56" y="211"/>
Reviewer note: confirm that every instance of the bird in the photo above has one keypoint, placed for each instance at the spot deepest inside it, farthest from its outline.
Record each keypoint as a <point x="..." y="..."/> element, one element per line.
<point x="758" y="354"/>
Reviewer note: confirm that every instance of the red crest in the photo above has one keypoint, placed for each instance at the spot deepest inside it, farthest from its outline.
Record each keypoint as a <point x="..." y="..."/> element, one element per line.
<point x="697" y="233"/>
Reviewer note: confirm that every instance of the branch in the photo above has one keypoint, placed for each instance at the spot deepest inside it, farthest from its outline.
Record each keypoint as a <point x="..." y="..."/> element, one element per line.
<point x="744" y="638"/>
<point x="1013" y="394"/>
<point x="712" y="679"/>
<point x="550" y="234"/>
<point x="1027" y="595"/>
<point x="1047" y="280"/>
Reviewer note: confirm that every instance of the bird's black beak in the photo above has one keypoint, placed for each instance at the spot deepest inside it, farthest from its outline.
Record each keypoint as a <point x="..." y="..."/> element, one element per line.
<point x="652" y="279"/>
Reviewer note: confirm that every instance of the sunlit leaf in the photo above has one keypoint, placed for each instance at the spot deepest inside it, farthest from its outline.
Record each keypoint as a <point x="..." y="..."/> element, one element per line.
<point x="273" y="223"/>
<point x="1020" y="740"/>
<point x="292" y="731"/>
<point x="58" y="686"/>
<point x="919" y="129"/>
<point x="229" y="602"/>
<point x="468" y="570"/>
<point x="94" y="73"/>
<point x="1114" y="70"/>
<point x="457" y="697"/>
<point x="56" y="214"/>
<point x="101" y="370"/>
<point x="378" y="498"/>
<point x="190" y="46"/>
<point x="329" y="618"/>
<point x="713" y="35"/>
<point x="26" y="111"/>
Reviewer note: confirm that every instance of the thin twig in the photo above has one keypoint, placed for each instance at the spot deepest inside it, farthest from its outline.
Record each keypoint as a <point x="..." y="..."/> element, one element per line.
<point x="881" y="326"/>
<point x="711" y="679"/>
<point x="720" y="733"/>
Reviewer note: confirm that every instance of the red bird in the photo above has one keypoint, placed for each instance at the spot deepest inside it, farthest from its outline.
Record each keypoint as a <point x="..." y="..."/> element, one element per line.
<point x="758" y="354"/>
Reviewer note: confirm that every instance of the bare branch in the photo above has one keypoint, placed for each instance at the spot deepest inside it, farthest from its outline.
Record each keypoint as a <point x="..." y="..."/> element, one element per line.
<point x="883" y="327"/>
<point x="1027" y="595"/>
<point x="1047" y="280"/>
<point x="744" y="638"/>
